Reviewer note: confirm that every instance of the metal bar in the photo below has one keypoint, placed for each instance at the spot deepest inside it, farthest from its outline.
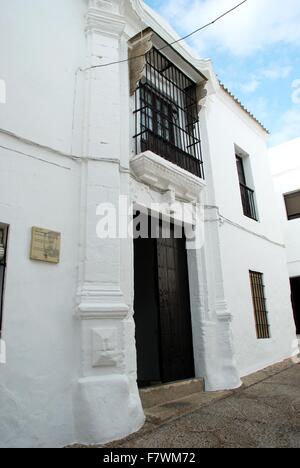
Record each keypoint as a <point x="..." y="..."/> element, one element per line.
<point x="168" y="114"/>
<point x="259" y="303"/>
<point x="248" y="200"/>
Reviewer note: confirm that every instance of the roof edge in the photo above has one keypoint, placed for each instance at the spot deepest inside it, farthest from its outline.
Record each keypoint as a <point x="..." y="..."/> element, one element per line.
<point x="204" y="66"/>
<point x="244" y="108"/>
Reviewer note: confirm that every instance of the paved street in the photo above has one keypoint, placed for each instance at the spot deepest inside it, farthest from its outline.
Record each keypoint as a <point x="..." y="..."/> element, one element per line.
<point x="264" y="413"/>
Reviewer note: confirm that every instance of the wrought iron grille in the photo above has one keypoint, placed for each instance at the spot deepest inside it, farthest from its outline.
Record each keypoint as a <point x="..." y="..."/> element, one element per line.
<point x="3" y="245"/>
<point x="166" y="114"/>
<point x="260" y="307"/>
<point x="248" y="200"/>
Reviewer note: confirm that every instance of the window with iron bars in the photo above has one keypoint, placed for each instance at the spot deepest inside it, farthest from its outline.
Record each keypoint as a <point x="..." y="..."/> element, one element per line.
<point x="166" y="114"/>
<point x="260" y="306"/>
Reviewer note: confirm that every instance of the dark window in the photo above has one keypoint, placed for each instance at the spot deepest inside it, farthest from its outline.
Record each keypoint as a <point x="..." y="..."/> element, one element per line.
<point x="3" y="246"/>
<point x="292" y="202"/>
<point x="167" y="114"/>
<point x="241" y="170"/>
<point x="295" y="290"/>
<point x="259" y="304"/>
<point x="157" y="115"/>
<point x="247" y="194"/>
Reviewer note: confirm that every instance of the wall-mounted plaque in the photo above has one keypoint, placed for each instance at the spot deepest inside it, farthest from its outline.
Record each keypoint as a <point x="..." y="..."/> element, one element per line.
<point x="45" y="245"/>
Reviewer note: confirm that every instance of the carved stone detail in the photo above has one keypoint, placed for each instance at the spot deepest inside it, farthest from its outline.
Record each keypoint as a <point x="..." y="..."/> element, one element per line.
<point x="96" y="303"/>
<point x="103" y="17"/>
<point x="165" y="176"/>
<point x="140" y="45"/>
<point x="104" y="347"/>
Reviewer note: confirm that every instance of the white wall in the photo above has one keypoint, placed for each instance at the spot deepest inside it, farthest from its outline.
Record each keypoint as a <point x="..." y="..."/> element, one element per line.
<point x="58" y="386"/>
<point x="242" y="252"/>
<point x="38" y="188"/>
<point x="285" y="166"/>
<point x="228" y="126"/>
<point x="247" y="244"/>
<point x="61" y="384"/>
<point x="42" y="45"/>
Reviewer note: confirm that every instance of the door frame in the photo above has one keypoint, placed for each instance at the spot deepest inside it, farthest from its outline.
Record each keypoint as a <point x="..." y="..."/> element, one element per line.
<point x="194" y="257"/>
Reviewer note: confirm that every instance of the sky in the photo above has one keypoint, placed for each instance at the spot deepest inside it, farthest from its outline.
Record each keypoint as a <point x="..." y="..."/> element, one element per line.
<point x="255" y="51"/>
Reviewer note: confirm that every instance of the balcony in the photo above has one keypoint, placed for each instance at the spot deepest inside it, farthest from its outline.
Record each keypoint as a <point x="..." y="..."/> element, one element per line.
<point x="170" y="152"/>
<point x="166" y="115"/>
<point x="248" y="201"/>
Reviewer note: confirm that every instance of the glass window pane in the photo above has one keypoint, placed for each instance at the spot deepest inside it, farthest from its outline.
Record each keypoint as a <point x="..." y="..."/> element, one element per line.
<point x="240" y="168"/>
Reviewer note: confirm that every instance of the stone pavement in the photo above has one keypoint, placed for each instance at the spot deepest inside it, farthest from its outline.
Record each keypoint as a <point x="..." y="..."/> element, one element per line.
<point x="265" y="412"/>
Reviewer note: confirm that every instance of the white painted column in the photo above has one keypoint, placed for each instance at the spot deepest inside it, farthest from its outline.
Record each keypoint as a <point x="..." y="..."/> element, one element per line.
<point x="107" y="403"/>
<point x="213" y="340"/>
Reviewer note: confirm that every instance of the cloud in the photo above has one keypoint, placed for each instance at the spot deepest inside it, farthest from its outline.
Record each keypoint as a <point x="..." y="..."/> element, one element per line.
<point x="251" y="86"/>
<point x="254" y="47"/>
<point x="276" y="72"/>
<point x="254" y="26"/>
<point x="296" y="92"/>
<point x="289" y="127"/>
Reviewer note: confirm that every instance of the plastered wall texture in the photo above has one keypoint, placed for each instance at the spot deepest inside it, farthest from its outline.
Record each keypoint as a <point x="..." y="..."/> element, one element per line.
<point x="65" y="146"/>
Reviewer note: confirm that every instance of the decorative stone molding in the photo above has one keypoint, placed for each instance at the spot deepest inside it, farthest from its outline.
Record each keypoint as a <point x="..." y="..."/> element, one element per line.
<point x="103" y="17"/>
<point x="222" y="312"/>
<point x="139" y="45"/>
<point x="163" y="175"/>
<point x="104" y="347"/>
<point x="95" y="303"/>
<point x="103" y="4"/>
<point x="202" y="93"/>
<point x="142" y="43"/>
<point x="103" y="311"/>
<point x="212" y="215"/>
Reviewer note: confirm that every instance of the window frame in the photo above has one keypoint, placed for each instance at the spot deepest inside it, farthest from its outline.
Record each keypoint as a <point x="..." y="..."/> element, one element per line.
<point x="156" y="114"/>
<point x="287" y="196"/>
<point x="248" y="197"/>
<point x="164" y="84"/>
<point x="241" y="172"/>
<point x="259" y="301"/>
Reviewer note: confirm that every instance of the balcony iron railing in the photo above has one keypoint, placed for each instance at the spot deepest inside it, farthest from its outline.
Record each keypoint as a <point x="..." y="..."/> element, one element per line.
<point x="248" y="201"/>
<point x="166" y="114"/>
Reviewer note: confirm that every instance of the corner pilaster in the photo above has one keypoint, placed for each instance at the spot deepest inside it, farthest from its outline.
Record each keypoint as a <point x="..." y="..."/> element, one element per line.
<point x="218" y="363"/>
<point x="107" y="400"/>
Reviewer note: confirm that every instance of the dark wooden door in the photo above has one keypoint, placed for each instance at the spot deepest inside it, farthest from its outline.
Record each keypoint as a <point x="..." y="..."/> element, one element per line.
<point x="146" y="309"/>
<point x="177" y="360"/>
<point x="295" y="288"/>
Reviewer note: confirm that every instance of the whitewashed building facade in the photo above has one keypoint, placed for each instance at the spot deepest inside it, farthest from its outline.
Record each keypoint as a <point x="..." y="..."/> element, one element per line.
<point x="74" y="135"/>
<point x="285" y="166"/>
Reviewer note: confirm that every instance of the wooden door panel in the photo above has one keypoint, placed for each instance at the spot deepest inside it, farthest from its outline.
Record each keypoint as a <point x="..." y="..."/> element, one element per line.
<point x="177" y="360"/>
<point x="146" y="306"/>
